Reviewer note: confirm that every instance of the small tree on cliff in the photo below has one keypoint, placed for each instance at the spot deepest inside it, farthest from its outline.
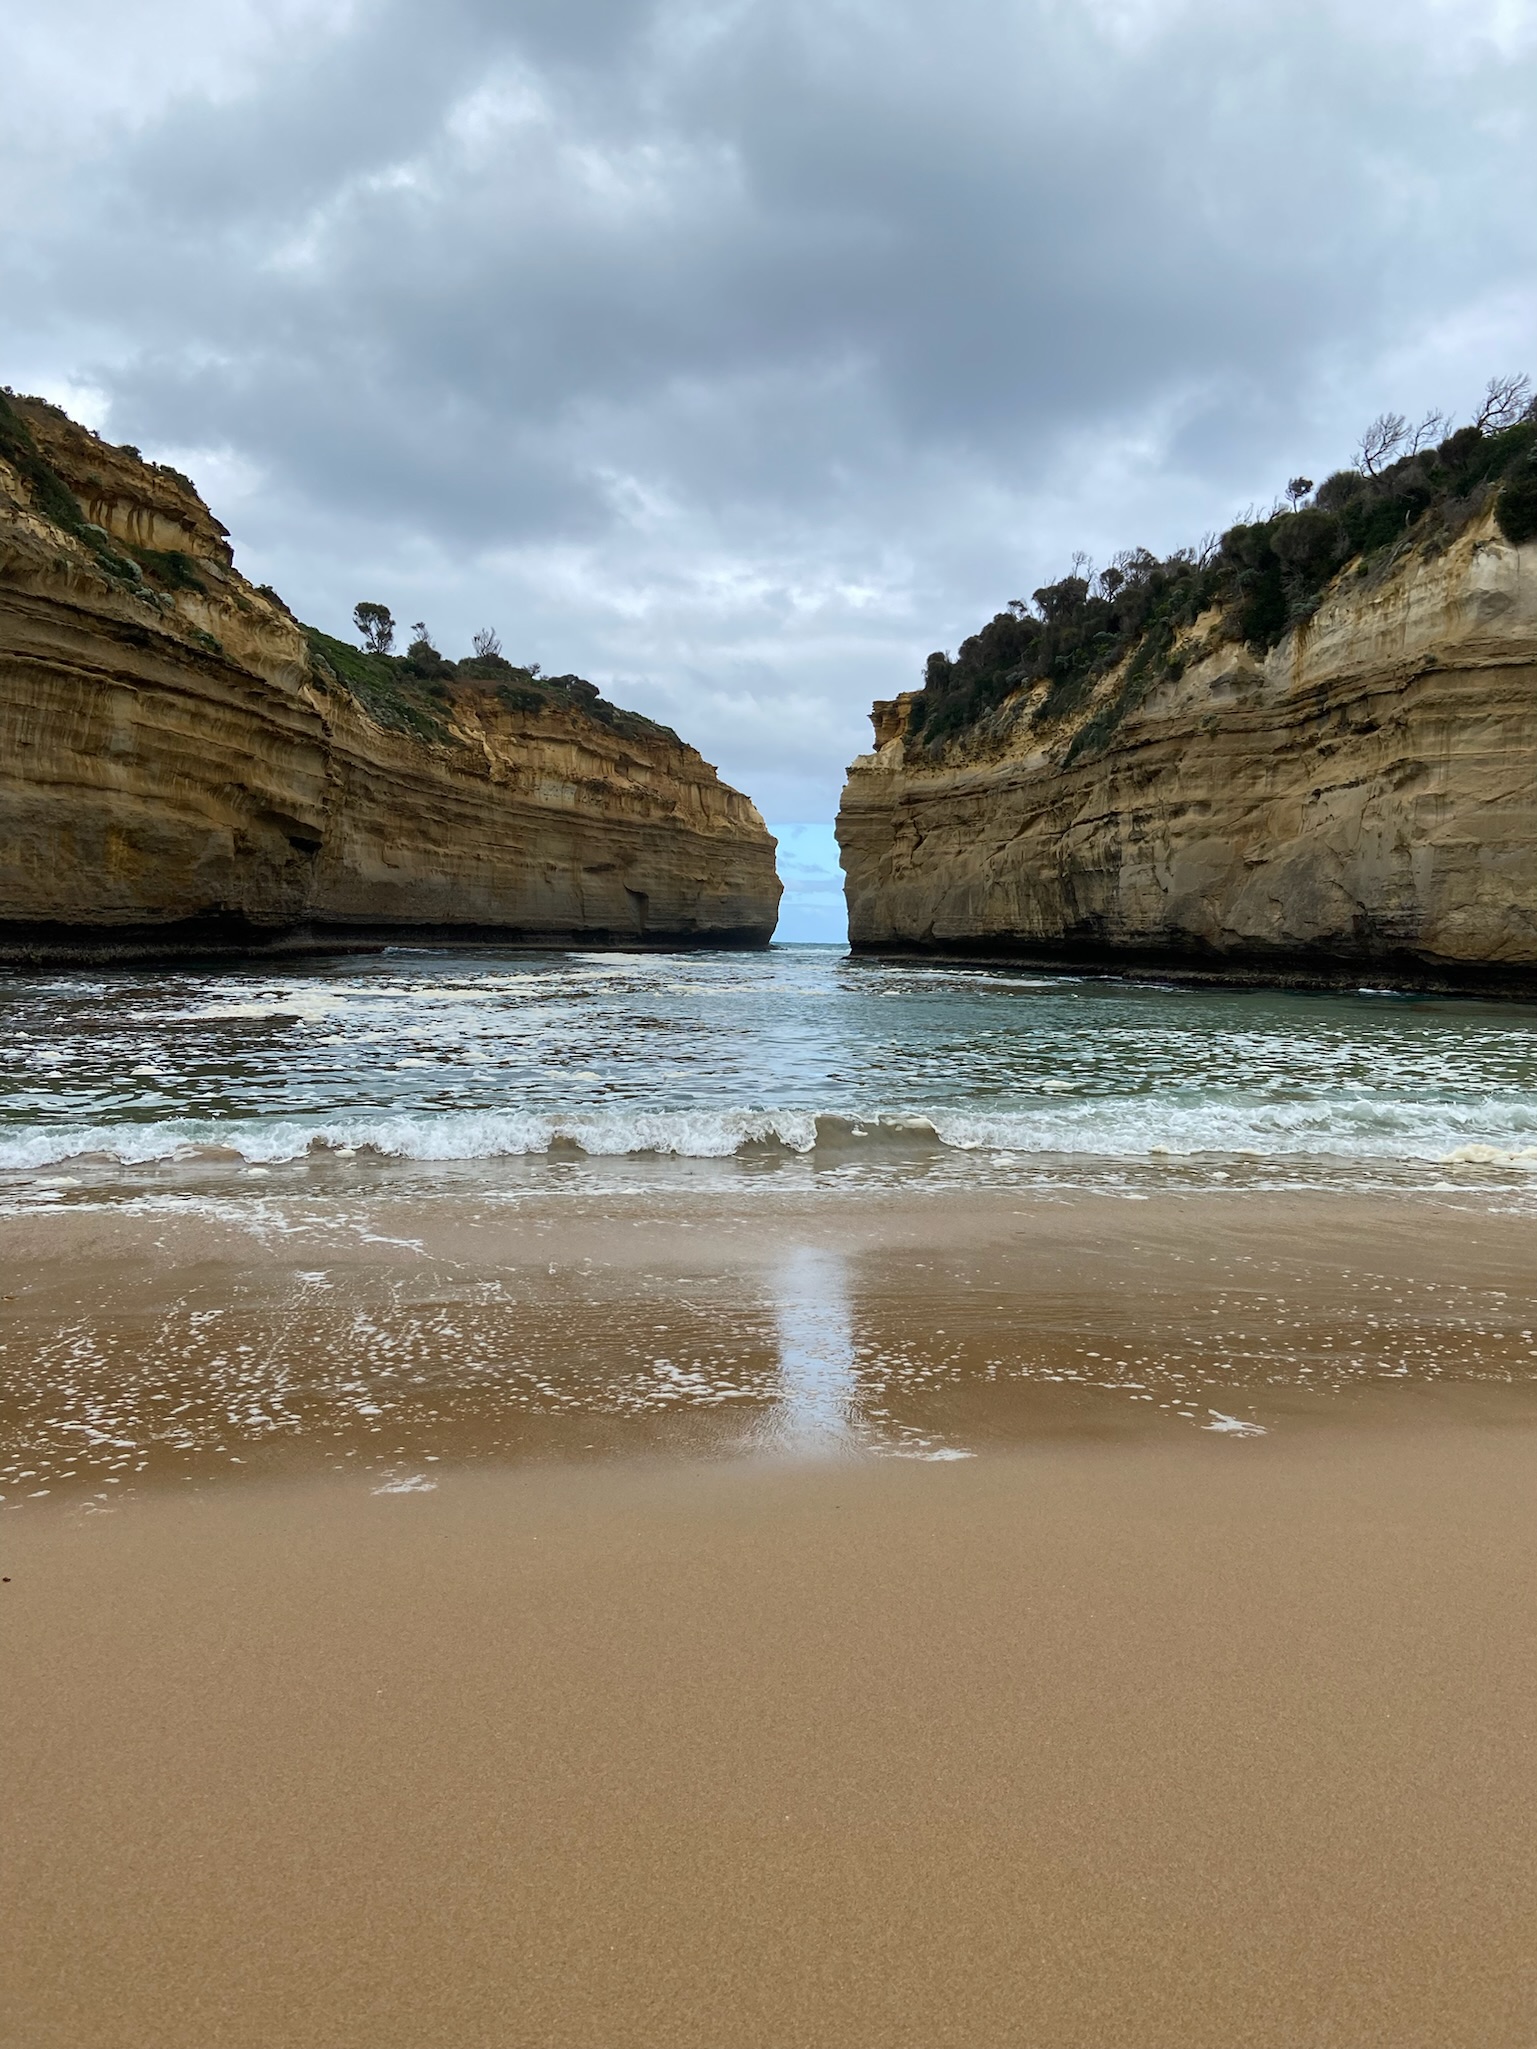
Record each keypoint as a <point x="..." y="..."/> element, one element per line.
<point x="376" y="627"/>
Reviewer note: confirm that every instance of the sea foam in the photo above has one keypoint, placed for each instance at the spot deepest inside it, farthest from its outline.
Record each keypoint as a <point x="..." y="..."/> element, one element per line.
<point x="797" y="1052"/>
<point x="1135" y="1128"/>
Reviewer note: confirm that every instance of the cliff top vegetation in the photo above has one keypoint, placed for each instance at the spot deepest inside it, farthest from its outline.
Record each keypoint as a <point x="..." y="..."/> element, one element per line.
<point x="415" y="692"/>
<point x="60" y="463"/>
<point x="1408" y="487"/>
<point x="53" y="489"/>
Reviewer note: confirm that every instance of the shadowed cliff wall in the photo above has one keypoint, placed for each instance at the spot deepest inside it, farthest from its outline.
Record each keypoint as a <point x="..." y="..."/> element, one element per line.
<point x="180" y="769"/>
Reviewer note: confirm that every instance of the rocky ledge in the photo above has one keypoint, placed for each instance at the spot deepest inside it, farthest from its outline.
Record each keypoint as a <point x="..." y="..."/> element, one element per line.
<point x="184" y="767"/>
<point x="1237" y="791"/>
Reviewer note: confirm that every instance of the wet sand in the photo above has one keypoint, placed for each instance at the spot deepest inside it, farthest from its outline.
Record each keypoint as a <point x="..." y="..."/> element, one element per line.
<point x="1190" y="1744"/>
<point x="554" y="1624"/>
<point x="290" y="1335"/>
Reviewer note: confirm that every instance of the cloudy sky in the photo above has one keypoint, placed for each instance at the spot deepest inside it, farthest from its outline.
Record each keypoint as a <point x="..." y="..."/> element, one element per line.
<point x="736" y="353"/>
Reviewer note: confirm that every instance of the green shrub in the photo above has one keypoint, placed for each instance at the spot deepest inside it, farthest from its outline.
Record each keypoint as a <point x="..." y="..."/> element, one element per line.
<point x="521" y="696"/>
<point x="487" y="668"/>
<point x="1267" y="577"/>
<point x="1152" y="663"/>
<point x="381" y="684"/>
<point x="413" y="691"/>
<point x="422" y="660"/>
<point x="51" y="496"/>
<point x="1074" y="635"/>
<point x="1370" y="523"/>
<point x="526" y="690"/>
<point x="169" y="568"/>
<point x="1515" y="509"/>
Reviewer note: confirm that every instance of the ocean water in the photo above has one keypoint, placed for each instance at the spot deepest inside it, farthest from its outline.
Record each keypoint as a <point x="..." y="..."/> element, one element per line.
<point x="790" y="1061"/>
<point x="393" y="1213"/>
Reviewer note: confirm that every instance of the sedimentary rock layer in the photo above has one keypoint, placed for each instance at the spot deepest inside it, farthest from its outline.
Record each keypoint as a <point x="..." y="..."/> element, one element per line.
<point x="1361" y="801"/>
<point x="178" y="769"/>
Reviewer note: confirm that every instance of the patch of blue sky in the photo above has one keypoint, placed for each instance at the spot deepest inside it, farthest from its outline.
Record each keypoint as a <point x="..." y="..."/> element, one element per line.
<point x="813" y="911"/>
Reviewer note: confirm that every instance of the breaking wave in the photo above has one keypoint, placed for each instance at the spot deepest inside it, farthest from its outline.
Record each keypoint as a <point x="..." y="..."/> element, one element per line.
<point x="1122" y="1128"/>
<point x="796" y="1054"/>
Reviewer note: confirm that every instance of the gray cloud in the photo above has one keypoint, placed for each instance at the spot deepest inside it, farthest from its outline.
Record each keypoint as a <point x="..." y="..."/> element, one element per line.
<point x="738" y="353"/>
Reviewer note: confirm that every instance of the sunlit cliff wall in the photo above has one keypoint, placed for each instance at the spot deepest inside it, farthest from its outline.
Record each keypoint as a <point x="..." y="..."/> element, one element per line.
<point x="1360" y="803"/>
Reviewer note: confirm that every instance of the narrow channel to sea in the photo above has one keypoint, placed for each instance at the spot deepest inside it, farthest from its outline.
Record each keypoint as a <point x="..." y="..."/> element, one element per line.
<point x="801" y="1056"/>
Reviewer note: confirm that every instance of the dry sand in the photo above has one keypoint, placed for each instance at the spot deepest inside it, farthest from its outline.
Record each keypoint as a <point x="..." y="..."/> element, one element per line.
<point x="1108" y="1736"/>
<point x="1092" y="1745"/>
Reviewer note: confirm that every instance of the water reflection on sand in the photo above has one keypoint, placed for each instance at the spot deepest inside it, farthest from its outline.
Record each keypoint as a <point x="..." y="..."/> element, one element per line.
<point x="817" y="1360"/>
<point x="176" y="1343"/>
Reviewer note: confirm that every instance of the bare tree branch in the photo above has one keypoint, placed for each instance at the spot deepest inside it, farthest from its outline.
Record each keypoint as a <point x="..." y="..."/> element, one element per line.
<point x="1505" y="400"/>
<point x="1383" y="440"/>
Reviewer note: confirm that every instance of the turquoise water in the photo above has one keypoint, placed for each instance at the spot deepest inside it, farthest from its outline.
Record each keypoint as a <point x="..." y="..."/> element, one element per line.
<point x="799" y="1053"/>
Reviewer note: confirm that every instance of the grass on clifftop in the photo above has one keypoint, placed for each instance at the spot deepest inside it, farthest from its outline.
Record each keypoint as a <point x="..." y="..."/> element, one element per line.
<point x="410" y="693"/>
<point x="405" y="702"/>
<point x="1265" y="576"/>
<point x="413" y="692"/>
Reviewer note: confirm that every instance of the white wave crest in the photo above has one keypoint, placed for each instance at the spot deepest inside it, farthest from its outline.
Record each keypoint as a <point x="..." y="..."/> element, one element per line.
<point x="1484" y="1132"/>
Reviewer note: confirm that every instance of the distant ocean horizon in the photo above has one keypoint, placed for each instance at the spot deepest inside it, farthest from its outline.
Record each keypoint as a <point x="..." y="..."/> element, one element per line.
<point x="813" y="911"/>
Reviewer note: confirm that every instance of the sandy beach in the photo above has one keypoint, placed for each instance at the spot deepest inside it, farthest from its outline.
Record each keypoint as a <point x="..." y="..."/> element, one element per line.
<point x="1072" y="1622"/>
<point x="768" y="1026"/>
<point x="1200" y="1744"/>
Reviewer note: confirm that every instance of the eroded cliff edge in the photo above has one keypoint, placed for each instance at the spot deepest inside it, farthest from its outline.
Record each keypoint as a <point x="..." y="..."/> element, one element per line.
<point x="184" y="766"/>
<point x="1359" y="802"/>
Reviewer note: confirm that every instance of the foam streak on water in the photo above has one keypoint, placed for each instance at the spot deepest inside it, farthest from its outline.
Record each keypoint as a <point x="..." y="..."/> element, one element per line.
<point x="799" y="1052"/>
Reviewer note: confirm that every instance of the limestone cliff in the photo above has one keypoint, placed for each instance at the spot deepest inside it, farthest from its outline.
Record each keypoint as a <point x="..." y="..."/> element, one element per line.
<point x="182" y="765"/>
<point x="1359" y="802"/>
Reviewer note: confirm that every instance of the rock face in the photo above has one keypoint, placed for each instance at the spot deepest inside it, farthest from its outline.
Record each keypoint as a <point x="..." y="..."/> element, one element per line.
<point x="181" y="767"/>
<point x="1360" y="802"/>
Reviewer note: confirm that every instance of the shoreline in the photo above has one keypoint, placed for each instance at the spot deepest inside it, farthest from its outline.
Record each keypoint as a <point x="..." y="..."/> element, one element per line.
<point x="195" y="1341"/>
